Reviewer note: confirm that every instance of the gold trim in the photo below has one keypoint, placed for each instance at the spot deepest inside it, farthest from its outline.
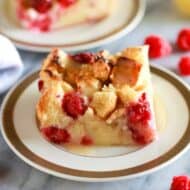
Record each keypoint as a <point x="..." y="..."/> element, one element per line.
<point x="24" y="43"/>
<point x="9" y="130"/>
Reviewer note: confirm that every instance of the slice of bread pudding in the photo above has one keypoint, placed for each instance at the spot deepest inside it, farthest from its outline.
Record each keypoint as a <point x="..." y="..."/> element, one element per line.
<point x="45" y="15"/>
<point x="97" y="98"/>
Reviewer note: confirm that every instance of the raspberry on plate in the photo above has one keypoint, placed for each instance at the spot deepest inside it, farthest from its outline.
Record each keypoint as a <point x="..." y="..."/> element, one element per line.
<point x="180" y="183"/>
<point x="158" y="46"/>
<point x="42" y="6"/>
<point x="56" y="135"/>
<point x="86" y="57"/>
<point x="73" y="104"/>
<point x="184" y="66"/>
<point x="137" y="113"/>
<point x="66" y="3"/>
<point x="183" y="39"/>
<point x="86" y="140"/>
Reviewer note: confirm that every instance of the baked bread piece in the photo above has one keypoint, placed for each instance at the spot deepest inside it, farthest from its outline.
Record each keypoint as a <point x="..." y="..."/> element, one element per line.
<point x="45" y="15"/>
<point x="97" y="99"/>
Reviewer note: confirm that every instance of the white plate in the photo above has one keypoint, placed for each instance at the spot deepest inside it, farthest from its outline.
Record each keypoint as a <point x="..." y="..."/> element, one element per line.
<point x="125" y="18"/>
<point x="20" y="131"/>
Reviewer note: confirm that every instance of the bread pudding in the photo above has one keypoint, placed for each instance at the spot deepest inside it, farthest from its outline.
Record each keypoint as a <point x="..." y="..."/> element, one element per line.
<point x="45" y="15"/>
<point x="97" y="98"/>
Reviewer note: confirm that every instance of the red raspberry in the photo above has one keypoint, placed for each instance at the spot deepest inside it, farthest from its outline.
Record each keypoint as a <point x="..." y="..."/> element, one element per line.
<point x="66" y="3"/>
<point x="40" y="85"/>
<point x="73" y="104"/>
<point x="44" y="24"/>
<point x="142" y="133"/>
<point x="42" y="6"/>
<point x="56" y="135"/>
<point x="139" y="121"/>
<point x="86" y="57"/>
<point x="183" y="39"/>
<point x="158" y="46"/>
<point x="180" y="183"/>
<point x="140" y="111"/>
<point x="86" y="140"/>
<point x="184" y="65"/>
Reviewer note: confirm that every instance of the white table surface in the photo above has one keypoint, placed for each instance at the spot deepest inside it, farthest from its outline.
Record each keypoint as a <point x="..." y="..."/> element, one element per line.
<point x="161" y="18"/>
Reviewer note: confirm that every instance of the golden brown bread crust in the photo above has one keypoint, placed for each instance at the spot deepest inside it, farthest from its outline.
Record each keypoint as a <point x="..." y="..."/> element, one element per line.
<point x="58" y="65"/>
<point x="126" y="71"/>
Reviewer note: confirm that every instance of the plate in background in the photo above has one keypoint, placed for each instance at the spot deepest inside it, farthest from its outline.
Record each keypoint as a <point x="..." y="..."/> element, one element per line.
<point x="126" y="17"/>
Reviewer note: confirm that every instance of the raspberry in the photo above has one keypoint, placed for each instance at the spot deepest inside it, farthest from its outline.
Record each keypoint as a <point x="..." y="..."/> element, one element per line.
<point x="73" y="104"/>
<point x="44" y="24"/>
<point x="184" y="65"/>
<point x="40" y="85"/>
<point x="86" y="140"/>
<point x="180" y="183"/>
<point x="66" y="3"/>
<point x="158" y="46"/>
<point x="42" y="6"/>
<point x="183" y="39"/>
<point x="56" y="135"/>
<point x="142" y="133"/>
<point x="86" y="57"/>
<point x="139" y="121"/>
<point x="140" y="111"/>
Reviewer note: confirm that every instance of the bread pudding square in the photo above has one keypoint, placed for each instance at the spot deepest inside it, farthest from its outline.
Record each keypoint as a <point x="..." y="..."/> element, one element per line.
<point x="97" y="98"/>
